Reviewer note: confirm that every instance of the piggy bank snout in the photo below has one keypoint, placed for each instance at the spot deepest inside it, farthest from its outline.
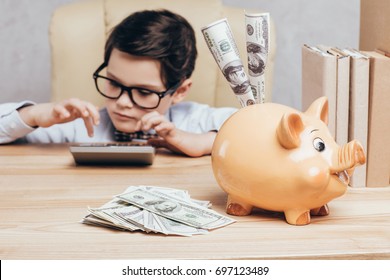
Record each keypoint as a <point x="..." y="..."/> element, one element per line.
<point x="350" y="155"/>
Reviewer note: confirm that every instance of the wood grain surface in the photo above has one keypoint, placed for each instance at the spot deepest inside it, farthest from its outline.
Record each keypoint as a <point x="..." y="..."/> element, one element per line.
<point x="44" y="196"/>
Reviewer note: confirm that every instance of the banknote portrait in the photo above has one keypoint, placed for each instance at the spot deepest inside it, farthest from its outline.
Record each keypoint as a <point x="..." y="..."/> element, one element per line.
<point x="234" y="73"/>
<point x="164" y="205"/>
<point x="257" y="55"/>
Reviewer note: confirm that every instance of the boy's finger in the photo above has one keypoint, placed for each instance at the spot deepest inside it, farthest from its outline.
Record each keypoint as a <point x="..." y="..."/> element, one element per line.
<point x="147" y="117"/>
<point x="78" y="105"/>
<point x="164" y="127"/>
<point x="152" y="121"/>
<point x="61" y="112"/>
<point x="89" y="125"/>
<point x="94" y="113"/>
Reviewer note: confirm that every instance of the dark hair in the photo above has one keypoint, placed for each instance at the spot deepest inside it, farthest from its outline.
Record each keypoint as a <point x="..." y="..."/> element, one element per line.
<point x="158" y="34"/>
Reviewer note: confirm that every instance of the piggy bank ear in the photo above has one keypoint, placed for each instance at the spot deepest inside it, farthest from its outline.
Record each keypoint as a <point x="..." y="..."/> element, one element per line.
<point x="319" y="109"/>
<point x="289" y="129"/>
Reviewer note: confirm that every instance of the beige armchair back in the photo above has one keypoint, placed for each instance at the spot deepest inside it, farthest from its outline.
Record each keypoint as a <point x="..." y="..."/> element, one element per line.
<point x="78" y="32"/>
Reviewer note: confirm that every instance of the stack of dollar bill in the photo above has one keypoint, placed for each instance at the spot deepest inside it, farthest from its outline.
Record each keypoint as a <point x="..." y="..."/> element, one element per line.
<point x="155" y="209"/>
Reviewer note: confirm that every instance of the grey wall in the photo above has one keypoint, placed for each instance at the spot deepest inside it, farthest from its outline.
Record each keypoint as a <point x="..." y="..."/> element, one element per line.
<point x="24" y="49"/>
<point x="25" y="52"/>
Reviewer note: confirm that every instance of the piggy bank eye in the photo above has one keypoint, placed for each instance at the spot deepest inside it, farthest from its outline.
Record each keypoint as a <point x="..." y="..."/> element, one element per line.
<point x="319" y="144"/>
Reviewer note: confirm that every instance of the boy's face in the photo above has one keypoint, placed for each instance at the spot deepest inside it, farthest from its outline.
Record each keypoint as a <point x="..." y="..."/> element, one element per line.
<point x="134" y="71"/>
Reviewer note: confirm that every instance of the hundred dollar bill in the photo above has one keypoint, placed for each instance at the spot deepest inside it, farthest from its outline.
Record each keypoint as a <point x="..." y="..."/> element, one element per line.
<point x="96" y="221"/>
<point x="175" y="228"/>
<point x="257" y="46"/>
<point x="175" y="193"/>
<point x="156" y="223"/>
<point x="182" y="194"/>
<point x="175" y="209"/>
<point x="107" y="211"/>
<point x="219" y="39"/>
<point x="137" y="218"/>
<point x="120" y="214"/>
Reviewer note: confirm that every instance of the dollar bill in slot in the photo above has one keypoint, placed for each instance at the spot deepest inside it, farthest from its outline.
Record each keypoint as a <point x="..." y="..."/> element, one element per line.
<point x="257" y="46"/>
<point x="220" y="41"/>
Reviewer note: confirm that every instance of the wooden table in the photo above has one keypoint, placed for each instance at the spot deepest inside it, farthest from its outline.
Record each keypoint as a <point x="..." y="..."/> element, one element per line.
<point x="43" y="197"/>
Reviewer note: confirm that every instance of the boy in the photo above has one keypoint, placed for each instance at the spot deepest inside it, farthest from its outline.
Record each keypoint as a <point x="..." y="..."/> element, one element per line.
<point x="148" y="61"/>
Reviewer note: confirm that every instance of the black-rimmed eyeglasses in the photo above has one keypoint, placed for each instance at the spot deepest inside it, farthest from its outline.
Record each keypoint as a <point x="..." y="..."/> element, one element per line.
<point x="142" y="97"/>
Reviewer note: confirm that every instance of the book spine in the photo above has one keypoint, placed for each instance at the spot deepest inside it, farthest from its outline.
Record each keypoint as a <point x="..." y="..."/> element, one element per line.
<point x="358" y="113"/>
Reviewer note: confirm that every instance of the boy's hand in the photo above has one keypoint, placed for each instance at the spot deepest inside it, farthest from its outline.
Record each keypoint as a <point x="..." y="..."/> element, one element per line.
<point x="163" y="127"/>
<point x="162" y="143"/>
<point x="48" y="114"/>
<point x="176" y="140"/>
<point x="171" y="137"/>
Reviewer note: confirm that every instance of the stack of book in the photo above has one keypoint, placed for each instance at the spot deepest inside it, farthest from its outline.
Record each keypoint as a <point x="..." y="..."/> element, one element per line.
<point x="356" y="84"/>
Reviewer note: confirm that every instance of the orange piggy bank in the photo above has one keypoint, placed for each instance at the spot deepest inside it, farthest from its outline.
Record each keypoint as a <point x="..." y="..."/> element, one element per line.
<point x="276" y="158"/>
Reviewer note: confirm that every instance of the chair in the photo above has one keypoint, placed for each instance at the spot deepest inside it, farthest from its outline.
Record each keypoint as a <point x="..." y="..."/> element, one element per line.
<point x="78" y="32"/>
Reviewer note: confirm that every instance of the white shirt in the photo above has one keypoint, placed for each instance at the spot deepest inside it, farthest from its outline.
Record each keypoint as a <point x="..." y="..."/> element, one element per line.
<point x="188" y="116"/>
